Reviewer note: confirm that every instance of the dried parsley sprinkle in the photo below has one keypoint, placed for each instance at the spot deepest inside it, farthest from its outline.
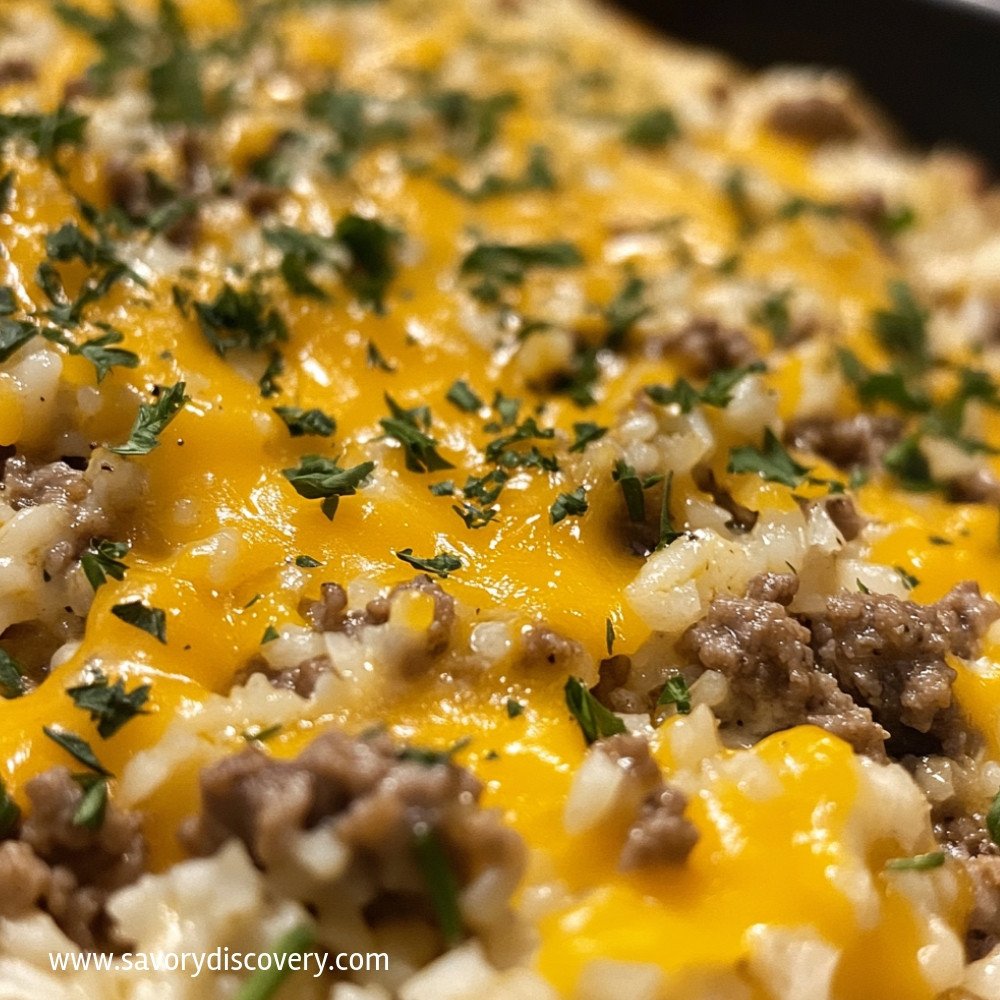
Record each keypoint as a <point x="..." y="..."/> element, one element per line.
<point x="463" y="397"/>
<point x="442" y="564"/>
<point x="10" y="812"/>
<point x="918" y="863"/>
<point x="12" y="681"/>
<point x="152" y="420"/>
<point x="770" y="461"/>
<point x="102" y="559"/>
<point x="319" y="478"/>
<point x="408" y="427"/>
<point x="594" y="719"/>
<point x="651" y="129"/>
<point x="301" y="422"/>
<point x="586" y="433"/>
<point x="142" y="616"/>
<point x="568" y="504"/>
<point x="676" y="692"/>
<point x="109" y="705"/>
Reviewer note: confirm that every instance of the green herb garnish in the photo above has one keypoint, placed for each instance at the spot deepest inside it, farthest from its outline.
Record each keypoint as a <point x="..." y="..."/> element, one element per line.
<point x="595" y="720"/>
<point x="151" y="620"/>
<point x="442" y="564"/>
<point x="318" y="478"/>
<point x="301" y="422"/>
<point x="771" y="461"/>
<point x="568" y="504"/>
<point x="102" y="559"/>
<point x="152" y="420"/>
<point x="109" y="705"/>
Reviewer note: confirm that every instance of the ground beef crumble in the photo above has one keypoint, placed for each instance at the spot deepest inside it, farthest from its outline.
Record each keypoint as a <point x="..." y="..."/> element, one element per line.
<point x="660" y="833"/>
<point x="890" y="655"/>
<point x="774" y="684"/>
<point x="68" y="870"/>
<point x="374" y="797"/>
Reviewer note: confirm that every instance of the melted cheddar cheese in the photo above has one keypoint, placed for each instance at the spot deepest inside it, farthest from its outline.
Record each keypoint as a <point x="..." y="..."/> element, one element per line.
<point x="218" y="527"/>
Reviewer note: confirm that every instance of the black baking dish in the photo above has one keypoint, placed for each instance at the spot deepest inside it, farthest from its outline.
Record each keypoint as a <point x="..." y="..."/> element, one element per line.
<point x="934" y="65"/>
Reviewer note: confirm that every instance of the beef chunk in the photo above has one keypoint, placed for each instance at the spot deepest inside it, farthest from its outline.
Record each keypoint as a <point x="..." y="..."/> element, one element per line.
<point x="778" y="588"/>
<point x="613" y="688"/>
<point x="660" y="833"/>
<point x="707" y="346"/>
<point x="28" y="485"/>
<point x="848" y="442"/>
<point x="66" y="869"/>
<point x="980" y="486"/>
<point x="765" y="654"/>
<point x="17" y="71"/>
<point x="983" y="929"/>
<point x="376" y="800"/>
<point x="813" y="120"/>
<point x="544" y="647"/>
<point x="889" y="654"/>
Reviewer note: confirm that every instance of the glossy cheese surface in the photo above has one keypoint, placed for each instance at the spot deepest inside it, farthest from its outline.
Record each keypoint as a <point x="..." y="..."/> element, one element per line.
<point x="218" y="524"/>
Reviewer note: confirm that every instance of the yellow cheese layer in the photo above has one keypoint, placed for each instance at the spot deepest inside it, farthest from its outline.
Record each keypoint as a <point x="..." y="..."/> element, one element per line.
<point x="218" y="470"/>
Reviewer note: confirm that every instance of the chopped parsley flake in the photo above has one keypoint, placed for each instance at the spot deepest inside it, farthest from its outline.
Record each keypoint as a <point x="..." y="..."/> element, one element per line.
<point x="651" y="129"/>
<point x="595" y="720"/>
<point x="771" y="461"/>
<point x="773" y="314"/>
<point x="908" y="463"/>
<point x="442" y="564"/>
<point x="514" y="708"/>
<point x="103" y="559"/>
<point x="49" y="132"/>
<point x="376" y="359"/>
<point x="463" y="397"/>
<point x="307" y="562"/>
<point x="889" y="387"/>
<point x="536" y="176"/>
<point x="609" y="635"/>
<point x="419" y="448"/>
<point x="77" y="747"/>
<point x="568" y="504"/>
<point x="301" y="252"/>
<point x="676" y="692"/>
<point x="93" y="805"/>
<point x="902" y="329"/>
<point x="109" y="705"/>
<point x="369" y="244"/>
<point x="152" y="420"/>
<point x="586" y="433"/>
<point x="12" y="682"/>
<point x="718" y="391"/>
<point x="499" y="265"/>
<point x="633" y="487"/>
<point x="240" y="319"/>
<point x="918" y="863"/>
<point x="151" y="620"/>
<point x="439" y="877"/>
<point x="319" y="478"/>
<point x="473" y="515"/>
<point x="624" y="310"/>
<point x="301" y="422"/>
<point x="472" y="122"/>
<point x="10" y="812"/>
<point x="270" y="634"/>
<point x="103" y="356"/>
